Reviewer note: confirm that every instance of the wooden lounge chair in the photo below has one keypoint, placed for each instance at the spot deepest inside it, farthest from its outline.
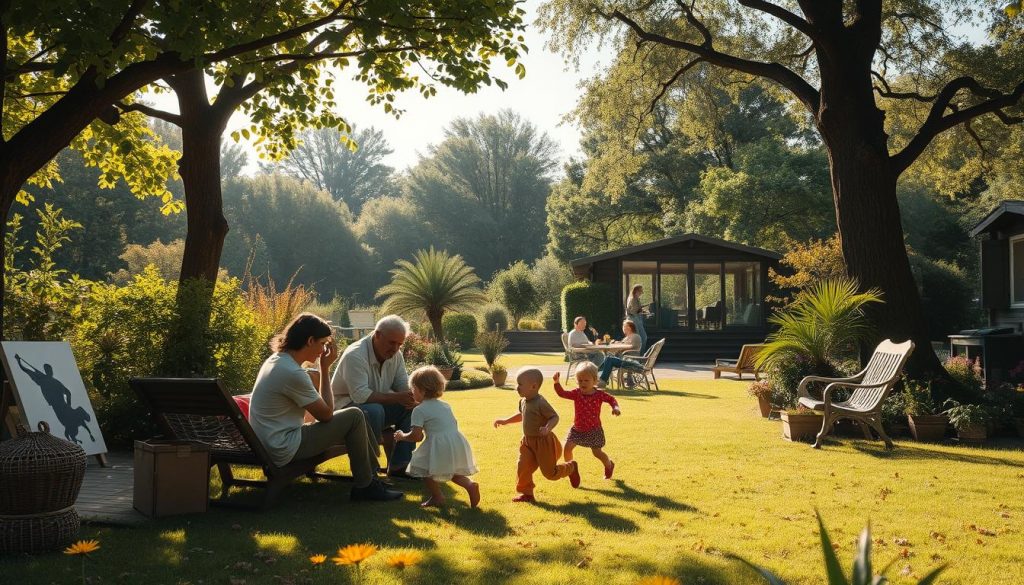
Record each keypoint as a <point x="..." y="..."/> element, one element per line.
<point x="201" y="409"/>
<point x="641" y="374"/>
<point x="745" y="364"/>
<point x="870" y="387"/>
<point x="574" y="355"/>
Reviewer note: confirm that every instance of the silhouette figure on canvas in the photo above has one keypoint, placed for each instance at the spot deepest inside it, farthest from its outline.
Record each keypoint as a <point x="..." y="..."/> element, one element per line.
<point x="58" y="397"/>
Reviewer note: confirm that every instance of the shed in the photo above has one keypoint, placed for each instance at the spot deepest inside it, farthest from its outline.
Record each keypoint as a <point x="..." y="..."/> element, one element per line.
<point x="706" y="295"/>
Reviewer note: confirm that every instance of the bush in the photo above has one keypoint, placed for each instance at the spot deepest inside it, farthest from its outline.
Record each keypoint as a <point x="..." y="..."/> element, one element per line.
<point x="946" y="296"/>
<point x="469" y="380"/>
<point x="414" y="350"/>
<point x="531" y="325"/>
<point x="493" y="316"/>
<point x="459" y="328"/>
<point x="784" y="377"/>
<point x="967" y="373"/>
<point x="491" y="344"/>
<point x="122" y="332"/>
<point x="594" y="300"/>
<point x="514" y="289"/>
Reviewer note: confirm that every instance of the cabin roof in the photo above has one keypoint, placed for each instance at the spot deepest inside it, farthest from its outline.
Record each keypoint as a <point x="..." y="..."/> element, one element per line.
<point x="675" y="240"/>
<point x="1012" y="206"/>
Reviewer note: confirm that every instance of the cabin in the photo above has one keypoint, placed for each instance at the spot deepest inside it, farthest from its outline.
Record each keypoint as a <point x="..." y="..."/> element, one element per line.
<point x="1000" y="345"/>
<point x="706" y="295"/>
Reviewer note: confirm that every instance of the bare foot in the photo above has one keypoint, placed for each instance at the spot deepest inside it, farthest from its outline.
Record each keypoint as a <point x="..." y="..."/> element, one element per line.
<point x="473" y="490"/>
<point x="524" y="498"/>
<point x="432" y="502"/>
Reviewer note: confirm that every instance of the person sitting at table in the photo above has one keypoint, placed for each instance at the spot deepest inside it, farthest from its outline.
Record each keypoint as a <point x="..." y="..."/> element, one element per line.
<point x="630" y="336"/>
<point x="578" y="338"/>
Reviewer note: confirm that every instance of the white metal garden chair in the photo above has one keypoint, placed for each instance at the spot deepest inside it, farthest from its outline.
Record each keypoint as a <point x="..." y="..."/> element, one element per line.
<point x="642" y="373"/>
<point x="870" y="387"/>
<point x="574" y="355"/>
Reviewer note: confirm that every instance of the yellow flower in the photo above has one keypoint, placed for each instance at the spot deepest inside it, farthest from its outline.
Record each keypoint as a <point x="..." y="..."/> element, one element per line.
<point x="354" y="554"/>
<point x="658" y="580"/>
<point x="317" y="559"/>
<point x="405" y="559"/>
<point x="82" y="547"/>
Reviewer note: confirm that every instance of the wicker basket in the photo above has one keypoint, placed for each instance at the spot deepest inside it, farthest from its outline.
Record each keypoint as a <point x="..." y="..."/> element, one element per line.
<point x="37" y="533"/>
<point x="39" y="473"/>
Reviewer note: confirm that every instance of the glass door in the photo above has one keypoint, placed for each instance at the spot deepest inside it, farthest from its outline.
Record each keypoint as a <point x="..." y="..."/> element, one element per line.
<point x="674" y="296"/>
<point x="707" y="293"/>
<point x="645" y="274"/>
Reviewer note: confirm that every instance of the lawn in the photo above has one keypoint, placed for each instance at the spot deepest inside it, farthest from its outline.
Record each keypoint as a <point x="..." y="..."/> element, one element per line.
<point x="699" y="475"/>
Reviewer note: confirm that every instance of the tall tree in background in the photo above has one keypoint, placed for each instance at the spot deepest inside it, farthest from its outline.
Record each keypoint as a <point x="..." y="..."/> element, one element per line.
<point x="353" y="177"/>
<point x="488" y="180"/>
<point x="838" y="60"/>
<point x="66" y="63"/>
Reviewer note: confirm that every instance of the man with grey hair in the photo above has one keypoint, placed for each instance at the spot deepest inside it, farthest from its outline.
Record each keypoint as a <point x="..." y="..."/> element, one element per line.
<point x="372" y="376"/>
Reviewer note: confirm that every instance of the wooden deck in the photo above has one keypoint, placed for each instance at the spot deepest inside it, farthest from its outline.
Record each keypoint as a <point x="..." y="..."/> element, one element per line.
<point x="106" y="495"/>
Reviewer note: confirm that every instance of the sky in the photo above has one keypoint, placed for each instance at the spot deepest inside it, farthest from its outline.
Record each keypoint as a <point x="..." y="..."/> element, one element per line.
<point x="544" y="97"/>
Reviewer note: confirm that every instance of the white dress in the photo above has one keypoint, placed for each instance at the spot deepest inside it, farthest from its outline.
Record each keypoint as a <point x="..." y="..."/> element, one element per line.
<point x="445" y="452"/>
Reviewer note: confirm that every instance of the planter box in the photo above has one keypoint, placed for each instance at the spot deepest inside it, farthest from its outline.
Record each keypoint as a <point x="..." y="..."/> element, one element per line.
<point x="928" y="427"/>
<point x="973" y="434"/>
<point x="800" y="427"/>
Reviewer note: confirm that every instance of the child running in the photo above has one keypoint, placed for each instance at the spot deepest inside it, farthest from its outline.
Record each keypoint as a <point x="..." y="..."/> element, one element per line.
<point x="445" y="455"/>
<point x="539" y="447"/>
<point x="586" y="429"/>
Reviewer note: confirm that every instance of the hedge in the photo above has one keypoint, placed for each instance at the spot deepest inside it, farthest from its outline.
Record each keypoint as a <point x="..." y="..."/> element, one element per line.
<point x="460" y="328"/>
<point x="595" y="301"/>
<point x="470" y="379"/>
<point x="493" y="314"/>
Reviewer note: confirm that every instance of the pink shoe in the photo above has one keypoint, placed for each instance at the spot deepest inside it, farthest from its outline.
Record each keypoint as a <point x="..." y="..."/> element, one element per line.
<point x="609" y="470"/>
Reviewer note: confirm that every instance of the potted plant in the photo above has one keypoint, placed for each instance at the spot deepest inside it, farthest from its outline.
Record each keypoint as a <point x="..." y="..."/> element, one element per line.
<point x="894" y="412"/>
<point x="800" y="424"/>
<point x="923" y="416"/>
<point x="437" y="356"/>
<point x="498" y="374"/>
<point x="762" y="391"/>
<point x="969" y="420"/>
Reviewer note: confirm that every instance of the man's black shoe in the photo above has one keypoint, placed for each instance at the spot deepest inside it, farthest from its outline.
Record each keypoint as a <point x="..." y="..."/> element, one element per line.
<point x="401" y="474"/>
<point x="375" y="492"/>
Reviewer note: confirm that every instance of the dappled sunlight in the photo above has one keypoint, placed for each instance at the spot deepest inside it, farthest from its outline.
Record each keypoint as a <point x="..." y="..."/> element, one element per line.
<point x="282" y="544"/>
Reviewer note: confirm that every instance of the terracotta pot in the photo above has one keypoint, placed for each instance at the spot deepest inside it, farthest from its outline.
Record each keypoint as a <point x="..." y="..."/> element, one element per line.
<point x="973" y="434"/>
<point x="764" y="406"/>
<point x="447" y="372"/>
<point x="499" y="378"/>
<point x="800" y="427"/>
<point x="928" y="427"/>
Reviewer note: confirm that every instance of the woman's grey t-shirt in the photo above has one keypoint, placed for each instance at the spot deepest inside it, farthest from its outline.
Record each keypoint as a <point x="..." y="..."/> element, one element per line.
<point x="280" y="396"/>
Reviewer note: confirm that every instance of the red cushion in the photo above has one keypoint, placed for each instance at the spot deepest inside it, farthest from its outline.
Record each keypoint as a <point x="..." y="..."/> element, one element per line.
<point x="243" y="404"/>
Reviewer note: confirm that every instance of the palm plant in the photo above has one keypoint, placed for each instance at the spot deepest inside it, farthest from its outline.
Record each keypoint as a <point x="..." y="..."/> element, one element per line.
<point x="821" y="323"/>
<point x="434" y="283"/>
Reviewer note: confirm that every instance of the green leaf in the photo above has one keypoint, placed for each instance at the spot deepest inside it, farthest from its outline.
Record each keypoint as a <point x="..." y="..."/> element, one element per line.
<point x="832" y="567"/>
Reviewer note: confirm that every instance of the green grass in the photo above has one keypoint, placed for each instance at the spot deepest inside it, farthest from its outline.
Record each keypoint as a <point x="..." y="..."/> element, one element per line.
<point x="514" y="361"/>
<point x="699" y="475"/>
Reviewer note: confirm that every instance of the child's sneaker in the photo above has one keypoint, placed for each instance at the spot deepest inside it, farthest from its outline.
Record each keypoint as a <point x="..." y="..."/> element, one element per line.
<point x="574" y="475"/>
<point x="609" y="469"/>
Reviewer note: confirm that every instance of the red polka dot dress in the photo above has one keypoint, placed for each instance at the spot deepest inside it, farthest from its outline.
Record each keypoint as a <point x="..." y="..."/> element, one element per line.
<point x="586" y="429"/>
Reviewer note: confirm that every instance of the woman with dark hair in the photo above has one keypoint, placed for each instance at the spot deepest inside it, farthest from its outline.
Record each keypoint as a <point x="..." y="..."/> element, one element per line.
<point x="284" y="393"/>
<point x="629" y="335"/>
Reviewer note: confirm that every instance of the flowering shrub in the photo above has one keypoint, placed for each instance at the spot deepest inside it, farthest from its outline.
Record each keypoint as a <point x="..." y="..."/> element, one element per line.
<point x="966" y="372"/>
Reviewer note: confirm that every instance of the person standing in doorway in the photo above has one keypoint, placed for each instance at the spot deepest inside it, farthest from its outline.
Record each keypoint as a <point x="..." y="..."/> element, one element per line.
<point x="635" y="313"/>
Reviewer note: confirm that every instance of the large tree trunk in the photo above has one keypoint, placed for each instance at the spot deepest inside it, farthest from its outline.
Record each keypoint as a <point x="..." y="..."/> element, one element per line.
<point x="867" y="210"/>
<point x="202" y="125"/>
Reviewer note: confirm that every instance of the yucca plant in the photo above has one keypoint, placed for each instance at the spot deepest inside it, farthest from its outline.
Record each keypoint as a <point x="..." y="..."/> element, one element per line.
<point x="821" y="323"/>
<point x="862" y="574"/>
<point x="434" y="283"/>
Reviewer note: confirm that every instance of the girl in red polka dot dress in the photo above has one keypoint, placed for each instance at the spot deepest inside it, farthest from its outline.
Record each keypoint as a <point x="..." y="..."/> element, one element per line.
<point x="586" y="429"/>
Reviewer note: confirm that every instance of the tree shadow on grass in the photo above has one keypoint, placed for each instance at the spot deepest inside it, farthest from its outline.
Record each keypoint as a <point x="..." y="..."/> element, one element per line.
<point x="503" y="564"/>
<point x="909" y="451"/>
<point x="592" y="513"/>
<point x="627" y="493"/>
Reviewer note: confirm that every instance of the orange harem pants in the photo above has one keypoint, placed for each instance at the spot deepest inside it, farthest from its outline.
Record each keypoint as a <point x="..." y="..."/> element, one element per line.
<point x="542" y="453"/>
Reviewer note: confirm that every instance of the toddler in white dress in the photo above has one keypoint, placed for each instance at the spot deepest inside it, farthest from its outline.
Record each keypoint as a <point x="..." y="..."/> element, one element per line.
<point x="445" y="454"/>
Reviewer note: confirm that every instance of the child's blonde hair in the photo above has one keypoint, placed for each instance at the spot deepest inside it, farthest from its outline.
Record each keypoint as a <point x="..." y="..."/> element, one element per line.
<point x="589" y="367"/>
<point x="429" y="381"/>
<point x="532" y="374"/>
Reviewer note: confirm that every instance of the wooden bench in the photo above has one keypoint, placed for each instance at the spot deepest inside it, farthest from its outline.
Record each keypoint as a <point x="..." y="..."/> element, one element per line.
<point x="745" y="364"/>
<point x="201" y="409"/>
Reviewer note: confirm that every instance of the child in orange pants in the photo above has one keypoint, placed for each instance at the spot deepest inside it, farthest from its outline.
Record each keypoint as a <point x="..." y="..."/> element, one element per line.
<point x="539" y="448"/>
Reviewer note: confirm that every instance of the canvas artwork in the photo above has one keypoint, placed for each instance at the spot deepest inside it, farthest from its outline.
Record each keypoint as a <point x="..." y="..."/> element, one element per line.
<point x="48" y="387"/>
